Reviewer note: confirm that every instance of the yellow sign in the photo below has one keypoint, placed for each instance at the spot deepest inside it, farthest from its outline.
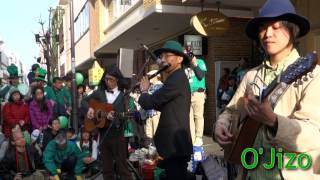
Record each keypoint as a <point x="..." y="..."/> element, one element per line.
<point x="95" y="74"/>
<point x="210" y="23"/>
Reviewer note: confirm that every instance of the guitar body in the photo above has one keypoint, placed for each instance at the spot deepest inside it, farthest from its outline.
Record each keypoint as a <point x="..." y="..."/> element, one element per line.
<point x="243" y="137"/>
<point x="99" y="121"/>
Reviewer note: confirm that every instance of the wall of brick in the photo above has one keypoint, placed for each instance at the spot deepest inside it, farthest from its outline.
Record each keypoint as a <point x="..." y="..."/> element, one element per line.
<point x="229" y="47"/>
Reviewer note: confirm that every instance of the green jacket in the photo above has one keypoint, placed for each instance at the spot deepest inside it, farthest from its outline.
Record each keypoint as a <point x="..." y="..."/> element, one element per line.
<point x="62" y="96"/>
<point x="53" y="157"/>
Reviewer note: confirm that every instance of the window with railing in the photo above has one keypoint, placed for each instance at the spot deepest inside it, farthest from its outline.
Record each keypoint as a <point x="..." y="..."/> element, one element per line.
<point x="116" y="8"/>
<point x="81" y="24"/>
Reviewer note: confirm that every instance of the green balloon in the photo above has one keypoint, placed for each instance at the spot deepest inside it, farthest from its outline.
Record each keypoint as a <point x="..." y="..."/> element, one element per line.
<point x="63" y="121"/>
<point x="79" y="78"/>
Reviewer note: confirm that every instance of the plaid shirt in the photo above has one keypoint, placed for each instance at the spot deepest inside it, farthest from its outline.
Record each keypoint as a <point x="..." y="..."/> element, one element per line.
<point x="38" y="118"/>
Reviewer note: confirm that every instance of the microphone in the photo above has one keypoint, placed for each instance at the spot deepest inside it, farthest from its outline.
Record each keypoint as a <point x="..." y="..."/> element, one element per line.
<point x="153" y="56"/>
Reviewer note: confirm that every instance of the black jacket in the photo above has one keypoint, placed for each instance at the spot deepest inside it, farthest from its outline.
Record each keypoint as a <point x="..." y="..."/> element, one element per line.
<point x="9" y="161"/>
<point x="172" y="137"/>
<point x="47" y="137"/>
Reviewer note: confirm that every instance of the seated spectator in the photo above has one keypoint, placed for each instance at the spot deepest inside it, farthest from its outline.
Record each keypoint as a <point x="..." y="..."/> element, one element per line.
<point x="21" y="159"/>
<point x="89" y="149"/>
<point x="15" y="112"/>
<point x="71" y="135"/>
<point x="41" y="109"/>
<point x="51" y="132"/>
<point x="62" y="156"/>
<point x="3" y="145"/>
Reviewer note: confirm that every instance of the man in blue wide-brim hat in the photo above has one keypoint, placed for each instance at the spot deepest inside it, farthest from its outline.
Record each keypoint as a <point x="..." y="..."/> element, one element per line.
<point x="292" y="123"/>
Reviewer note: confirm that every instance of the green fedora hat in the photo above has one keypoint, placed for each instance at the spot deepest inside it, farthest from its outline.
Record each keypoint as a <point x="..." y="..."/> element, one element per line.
<point x="40" y="74"/>
<point x="175" y="48"/>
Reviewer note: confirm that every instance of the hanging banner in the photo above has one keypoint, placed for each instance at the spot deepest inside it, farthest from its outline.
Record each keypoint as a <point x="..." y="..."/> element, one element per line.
<point x="210" y="23"/>
<point x="95" y="74"/>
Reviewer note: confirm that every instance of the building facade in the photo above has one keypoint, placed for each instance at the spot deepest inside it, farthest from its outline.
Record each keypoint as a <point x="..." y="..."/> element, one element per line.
<point x="102" y="27"/>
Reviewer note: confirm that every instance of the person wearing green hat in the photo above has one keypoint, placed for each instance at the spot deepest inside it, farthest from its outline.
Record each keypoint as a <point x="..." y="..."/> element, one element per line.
<point x="289" y="124"/>
<point x="32" y="73"/>
<point x="39" y="78"/>
<point x="172" y="138"/>
<point x="13" y="82"/>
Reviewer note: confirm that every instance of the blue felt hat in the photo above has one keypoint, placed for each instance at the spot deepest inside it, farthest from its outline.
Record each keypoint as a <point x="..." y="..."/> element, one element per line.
<point x="277" y="10"/>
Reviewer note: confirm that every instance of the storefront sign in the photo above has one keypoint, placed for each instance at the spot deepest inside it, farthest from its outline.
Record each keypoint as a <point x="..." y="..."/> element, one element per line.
<point x="196" y="43"/>
<point x="210" y="23"/>
<point x="95" y="74"/>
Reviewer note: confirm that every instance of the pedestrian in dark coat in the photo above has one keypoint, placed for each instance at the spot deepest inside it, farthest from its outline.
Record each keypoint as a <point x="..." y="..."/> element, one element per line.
<point x="172" y="138"/>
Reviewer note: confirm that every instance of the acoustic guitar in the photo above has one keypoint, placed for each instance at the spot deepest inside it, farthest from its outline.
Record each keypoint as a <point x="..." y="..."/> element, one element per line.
<point x="245" y="130"/>
<point x="101" y="111"/>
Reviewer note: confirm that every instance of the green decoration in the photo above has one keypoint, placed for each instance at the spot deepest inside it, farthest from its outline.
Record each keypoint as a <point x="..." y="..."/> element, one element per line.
<point x="63" y="121"/>
<point x="79" y="78"/>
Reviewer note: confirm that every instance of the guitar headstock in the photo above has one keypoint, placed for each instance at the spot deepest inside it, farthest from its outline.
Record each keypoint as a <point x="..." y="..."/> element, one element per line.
<point x="299" y="68"/>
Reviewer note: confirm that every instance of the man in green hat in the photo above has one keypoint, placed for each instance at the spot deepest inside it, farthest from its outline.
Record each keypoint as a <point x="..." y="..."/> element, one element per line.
<point x="172" y="138"/>
<point x="39" y="79"/>
<point x="32" y="73"/>
<point x="13" y="82"/>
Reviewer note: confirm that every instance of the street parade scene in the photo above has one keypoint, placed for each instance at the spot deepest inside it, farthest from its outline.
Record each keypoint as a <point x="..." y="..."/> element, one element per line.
<point x="159" y="90"/>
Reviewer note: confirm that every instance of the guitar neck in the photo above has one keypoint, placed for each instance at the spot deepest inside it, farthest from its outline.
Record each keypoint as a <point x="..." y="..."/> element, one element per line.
<point x="267" y="91"/>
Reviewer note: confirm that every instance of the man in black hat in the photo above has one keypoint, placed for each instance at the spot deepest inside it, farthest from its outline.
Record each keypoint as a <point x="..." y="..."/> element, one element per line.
<point x="172" y="138"/>
<point x="292" y="125"/>
<point x="113" y="144"/>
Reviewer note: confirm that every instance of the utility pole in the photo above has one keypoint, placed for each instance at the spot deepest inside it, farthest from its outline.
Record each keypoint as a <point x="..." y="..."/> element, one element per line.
<point x="74" y="116"/>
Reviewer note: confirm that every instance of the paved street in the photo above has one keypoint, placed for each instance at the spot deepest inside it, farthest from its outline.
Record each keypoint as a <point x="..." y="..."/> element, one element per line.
<point x="210" y="147"/>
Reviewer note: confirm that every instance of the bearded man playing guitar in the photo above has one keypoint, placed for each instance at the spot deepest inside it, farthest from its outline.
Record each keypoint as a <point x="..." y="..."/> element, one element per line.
<point x="114" y="146"/>
<point x="293" y="123"/>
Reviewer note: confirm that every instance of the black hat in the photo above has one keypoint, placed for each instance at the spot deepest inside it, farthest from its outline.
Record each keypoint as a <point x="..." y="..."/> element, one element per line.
<point x="114" y="71"/>
<point x="277" y="10"/>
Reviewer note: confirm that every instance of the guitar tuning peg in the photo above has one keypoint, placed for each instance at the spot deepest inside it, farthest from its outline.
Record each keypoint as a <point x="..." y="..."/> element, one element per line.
<point x="300" y="82"/>
<point x="311" y="75"/>
<point x="295" y="84"/>
<point x="305" y="78"/>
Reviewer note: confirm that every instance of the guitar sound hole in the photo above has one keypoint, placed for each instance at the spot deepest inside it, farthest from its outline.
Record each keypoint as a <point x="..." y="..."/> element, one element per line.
<point x="99" y="116"/>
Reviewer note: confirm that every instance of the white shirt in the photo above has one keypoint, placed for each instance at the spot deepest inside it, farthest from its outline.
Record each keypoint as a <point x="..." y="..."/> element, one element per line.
<point x="111" y="97"/>
<point x="94" y="153"/>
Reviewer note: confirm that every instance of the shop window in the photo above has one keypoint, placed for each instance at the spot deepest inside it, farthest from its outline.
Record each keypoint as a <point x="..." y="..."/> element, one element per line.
<point x="82" y="22"/>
